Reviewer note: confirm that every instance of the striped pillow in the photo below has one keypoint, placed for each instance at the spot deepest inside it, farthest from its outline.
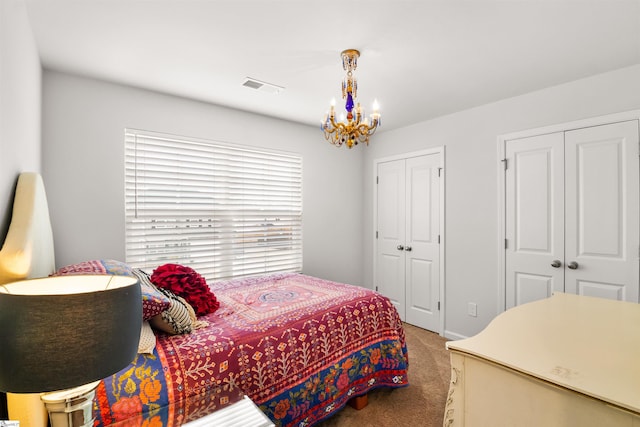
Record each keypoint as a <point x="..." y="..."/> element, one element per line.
<point x="179" y="318"/>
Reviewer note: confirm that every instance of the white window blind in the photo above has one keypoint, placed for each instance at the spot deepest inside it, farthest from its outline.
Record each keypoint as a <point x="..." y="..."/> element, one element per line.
<point x="224" y="210"/>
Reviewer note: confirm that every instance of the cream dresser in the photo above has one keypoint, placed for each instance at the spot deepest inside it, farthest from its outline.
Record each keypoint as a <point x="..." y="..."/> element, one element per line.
<point x="568" y="360"/>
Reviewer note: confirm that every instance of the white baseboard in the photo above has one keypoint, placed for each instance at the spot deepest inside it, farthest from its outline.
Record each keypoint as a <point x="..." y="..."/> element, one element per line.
<point x="453" y="336"/>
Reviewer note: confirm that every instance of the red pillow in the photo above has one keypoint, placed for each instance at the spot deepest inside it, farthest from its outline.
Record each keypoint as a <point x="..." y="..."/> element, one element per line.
<point x="187" y="283"/>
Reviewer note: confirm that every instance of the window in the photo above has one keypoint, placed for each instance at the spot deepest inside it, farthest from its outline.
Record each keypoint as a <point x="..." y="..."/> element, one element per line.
<point x="224" y="210"/>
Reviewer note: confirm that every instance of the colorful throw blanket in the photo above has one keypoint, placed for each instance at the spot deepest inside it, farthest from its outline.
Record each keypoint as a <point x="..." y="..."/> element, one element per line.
<point x="300" y="347"/>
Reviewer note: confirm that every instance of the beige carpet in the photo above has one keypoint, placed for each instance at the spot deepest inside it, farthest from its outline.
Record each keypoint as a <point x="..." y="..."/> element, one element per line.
<point x="419" y="404"/>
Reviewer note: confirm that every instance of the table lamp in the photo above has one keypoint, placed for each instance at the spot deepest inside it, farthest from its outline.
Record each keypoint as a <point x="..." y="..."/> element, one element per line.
<point x="61" y="335"/>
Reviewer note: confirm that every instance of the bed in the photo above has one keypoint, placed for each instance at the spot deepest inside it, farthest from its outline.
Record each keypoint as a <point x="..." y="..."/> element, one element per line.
<point x="300" y="347"/>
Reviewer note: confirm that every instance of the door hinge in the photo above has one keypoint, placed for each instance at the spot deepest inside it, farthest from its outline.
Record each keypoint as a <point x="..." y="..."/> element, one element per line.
<point x="438" y="305"/>
<point x="376" y="234"/>
<point x="376" y="289"/>
<point x="438" y="239"/>
<point x="439" y="171"/>
<point x="505" y="163"/>
<point x="377" y="179"/>
<point x="505" y="244"/>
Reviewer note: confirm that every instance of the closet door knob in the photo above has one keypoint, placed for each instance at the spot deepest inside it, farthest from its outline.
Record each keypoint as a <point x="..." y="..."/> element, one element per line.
<point x="573" y="265"/>
<point x="400" y="247"/>
<point x="556" y="263"/>
<point x="408" y="249"/>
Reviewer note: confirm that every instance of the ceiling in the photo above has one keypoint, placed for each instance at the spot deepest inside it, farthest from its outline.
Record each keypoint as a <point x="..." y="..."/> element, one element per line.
<point x="419" y="58"/>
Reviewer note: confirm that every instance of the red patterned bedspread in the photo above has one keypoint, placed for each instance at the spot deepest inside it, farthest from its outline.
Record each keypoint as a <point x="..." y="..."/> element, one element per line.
<point x="300" y="347"/>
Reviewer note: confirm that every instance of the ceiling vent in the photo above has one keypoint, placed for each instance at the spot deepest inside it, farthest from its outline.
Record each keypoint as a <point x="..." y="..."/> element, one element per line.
<point x="262" y="86"/>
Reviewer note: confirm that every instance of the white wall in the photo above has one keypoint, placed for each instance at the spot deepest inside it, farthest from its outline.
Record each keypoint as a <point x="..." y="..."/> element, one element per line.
<point x="20" y="75"/>
<point x="470" y="138"/>
<point x="83" y="122"/>
<point x="83" y="148"/>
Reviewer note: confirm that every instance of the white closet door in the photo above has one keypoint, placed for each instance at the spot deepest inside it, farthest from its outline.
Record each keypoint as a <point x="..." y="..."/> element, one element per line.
<point x="407" y="246"/>
<point x="572" y="222"/>
<point x="602" y="234"/>
<point x="422" y="249"/>
<point x="534" y="218"/>
<point x="390" y="259"/>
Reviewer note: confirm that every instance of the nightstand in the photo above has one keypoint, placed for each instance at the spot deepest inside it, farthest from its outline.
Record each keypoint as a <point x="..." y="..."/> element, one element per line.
<point x="216" y="408"/>
<point x="243" y="413"/>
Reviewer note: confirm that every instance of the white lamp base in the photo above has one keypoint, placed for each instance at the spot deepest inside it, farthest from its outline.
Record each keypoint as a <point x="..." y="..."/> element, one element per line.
<point x="72" y="407"/>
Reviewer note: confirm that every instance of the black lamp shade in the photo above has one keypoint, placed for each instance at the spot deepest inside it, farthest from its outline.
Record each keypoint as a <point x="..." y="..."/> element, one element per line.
<point x="66" y="331"/>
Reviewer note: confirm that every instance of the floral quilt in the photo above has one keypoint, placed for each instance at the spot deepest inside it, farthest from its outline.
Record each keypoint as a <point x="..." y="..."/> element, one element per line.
<point x="300" y="347"/>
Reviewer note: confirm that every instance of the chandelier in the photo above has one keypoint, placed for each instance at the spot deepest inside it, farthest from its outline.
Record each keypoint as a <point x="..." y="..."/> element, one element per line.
<point x="355" y="129"/>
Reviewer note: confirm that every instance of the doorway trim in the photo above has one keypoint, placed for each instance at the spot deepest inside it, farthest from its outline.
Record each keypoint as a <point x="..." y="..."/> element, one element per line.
<point x="500" y="166"/>
<point x="436" y="150"/>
